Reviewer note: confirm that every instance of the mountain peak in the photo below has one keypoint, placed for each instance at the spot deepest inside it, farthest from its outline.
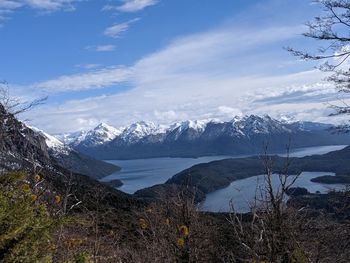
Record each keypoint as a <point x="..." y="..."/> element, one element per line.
<point x="73" y="138"/>
<point x="198" y="125"/>
<point x="51" y="141"/>
<point x="139" y="130"/>
<point x="101" y="134"/>
<point x="254" y="124"/>
<point x="236" y="118"/>
<point x="145" y="132"/>
<point x="103" y="125"/>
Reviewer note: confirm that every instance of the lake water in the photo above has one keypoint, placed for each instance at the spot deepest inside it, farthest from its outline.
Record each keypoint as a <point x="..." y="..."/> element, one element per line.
<point x="241" y="193"/>
<point x="142" y="173"/>
<point x="301" y="152"/>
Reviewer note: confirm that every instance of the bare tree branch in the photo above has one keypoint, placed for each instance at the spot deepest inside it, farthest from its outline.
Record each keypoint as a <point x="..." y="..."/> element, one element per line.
<point x="332" y="28"/>
<point x="15" y="105"/>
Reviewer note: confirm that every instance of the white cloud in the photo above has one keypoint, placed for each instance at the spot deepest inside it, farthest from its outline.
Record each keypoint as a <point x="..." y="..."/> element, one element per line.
<point x="228" y="112"/>
<point x="92" y="80"/>
<point x="9" y="6"/>
<point x="105" y="48"/>
<point x="131" y="5"/>
<point x="101" y="48"/>
<point x="115" y="30"/>
<point x="51" y="5"/>
<point x="218" y="100"/>
<point x="45" y="5"/>
<point x="88" y="66"/>
<point x="216" y="74"/>
<point x="195" y="61"/>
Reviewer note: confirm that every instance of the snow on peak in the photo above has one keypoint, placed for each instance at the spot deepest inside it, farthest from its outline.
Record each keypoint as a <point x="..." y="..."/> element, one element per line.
<point x="101" y="134"/>
<point x="198" y="125"/>
<point x="239" y="126"/>
<point x="287" y="119"/>
<point x="108" y="131"/>
<point x="236" y="119"/>
<point x="140" y="130"/>
<point x="191" y="129"/>
<point x="106" y="127"/>
<point x="254" y="124"/>
<point x="73" y="138"/>
<point x="310" y="126"/>
<point x="52" y="142"/>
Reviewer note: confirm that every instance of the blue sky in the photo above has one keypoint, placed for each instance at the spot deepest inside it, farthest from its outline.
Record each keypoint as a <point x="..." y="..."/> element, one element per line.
<point x="121" y="61"/>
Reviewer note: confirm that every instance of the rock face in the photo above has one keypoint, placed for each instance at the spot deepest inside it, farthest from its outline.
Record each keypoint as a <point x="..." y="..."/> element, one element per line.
<point x="22" y="148"/>
<point x="74" y="161"/>
<point x="241" y="135"/>
<point x="21" y="144"/>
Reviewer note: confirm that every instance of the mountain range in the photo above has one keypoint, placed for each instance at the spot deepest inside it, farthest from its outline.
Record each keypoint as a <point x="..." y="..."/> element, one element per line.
<point x="73" y="160"/>
<point x="38" y="162"/>
<point x="242" y="135"/>
<point x="215" y="175"/>
<point x="37" y="153"/>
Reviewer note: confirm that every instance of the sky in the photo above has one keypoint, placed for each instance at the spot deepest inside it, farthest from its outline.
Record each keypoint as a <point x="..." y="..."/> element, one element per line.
<point x="123" y="61"/>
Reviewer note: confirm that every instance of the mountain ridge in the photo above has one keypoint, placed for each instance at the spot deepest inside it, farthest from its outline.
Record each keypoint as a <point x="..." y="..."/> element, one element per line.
<point x="25" y="149"/>
<point x="209" y="177"/>
<point x="242" y="135"/>
<point x="142" y="129"/>
<point x="73" y="160"/>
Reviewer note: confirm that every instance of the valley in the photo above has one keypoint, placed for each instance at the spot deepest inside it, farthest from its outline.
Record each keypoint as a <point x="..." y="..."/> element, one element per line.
<point x="154" y="131"/>
<point x="245" y="135"/>
<point x="241" y="194"/>
<point x="142" y="173"/>
<point x="219" y="177"/>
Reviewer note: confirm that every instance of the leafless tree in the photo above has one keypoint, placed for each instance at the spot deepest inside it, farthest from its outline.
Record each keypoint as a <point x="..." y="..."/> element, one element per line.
<point x="332" y="30"/>
<point x="15" y="105"/>
<point x="270" y="233"/>
<point x="173" y="230"/>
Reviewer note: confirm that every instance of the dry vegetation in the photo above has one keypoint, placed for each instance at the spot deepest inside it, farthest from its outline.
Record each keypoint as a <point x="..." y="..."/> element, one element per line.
<point x="172" y="230"/>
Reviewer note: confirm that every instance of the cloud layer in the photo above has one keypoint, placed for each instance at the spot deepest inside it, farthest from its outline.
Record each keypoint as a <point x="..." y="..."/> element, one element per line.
<point x="116" y="30"/>
<point x="85" y="81"/>
<point x="45" y="5"/>
<point x="233" y="69"/>
<point x="130" y="6"/>
<point x="200" y="76"/>
<point x="7" y="7"/>
<point x="101" y="48"/>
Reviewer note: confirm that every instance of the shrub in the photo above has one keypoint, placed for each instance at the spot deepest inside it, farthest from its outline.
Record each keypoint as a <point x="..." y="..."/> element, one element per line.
<point x="25" y="224"/>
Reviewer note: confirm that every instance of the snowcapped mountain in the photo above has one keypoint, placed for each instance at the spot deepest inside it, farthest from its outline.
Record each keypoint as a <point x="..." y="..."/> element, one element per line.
<point x="189" y="130"/>
<point x="310" y="126"/>
<point x="241" y="135"/>
<point x="71" y="138"/>
<point x="54" y="144"/>
<point x="136" y="131"/>
<point x="73" y="160"/>
<point x="23" y="146"/>
<point x="102" y="134"/>
<point x="251" y="125"/>
<point x="198" y="125"/>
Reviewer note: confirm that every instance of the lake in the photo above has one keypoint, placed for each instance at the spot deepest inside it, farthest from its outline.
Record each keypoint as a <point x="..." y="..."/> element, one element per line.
<point x="142" y="173"/>
<point x="301" y="152"/>
<point x="242" y="192"/>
